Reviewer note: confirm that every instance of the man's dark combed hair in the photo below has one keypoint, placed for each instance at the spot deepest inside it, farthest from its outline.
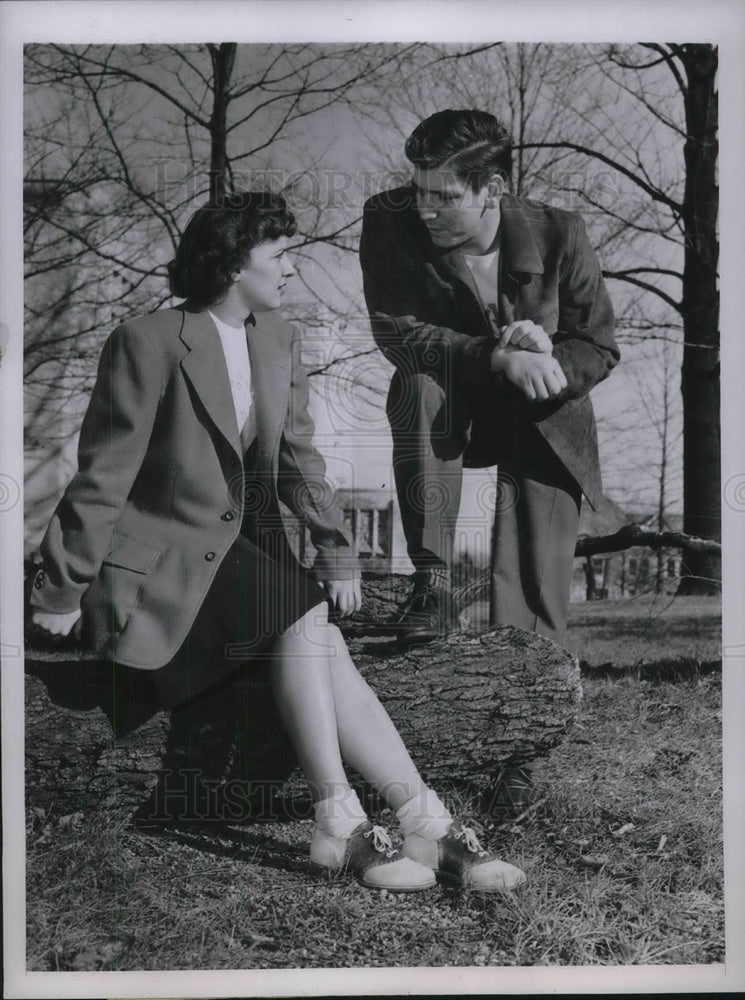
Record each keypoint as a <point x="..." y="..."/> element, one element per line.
<point x="218" y="239"/>
<point x="473" y="144"/>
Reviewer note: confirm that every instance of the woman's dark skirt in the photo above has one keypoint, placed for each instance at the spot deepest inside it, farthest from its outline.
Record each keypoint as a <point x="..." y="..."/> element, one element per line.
<point x="259" y="591"/>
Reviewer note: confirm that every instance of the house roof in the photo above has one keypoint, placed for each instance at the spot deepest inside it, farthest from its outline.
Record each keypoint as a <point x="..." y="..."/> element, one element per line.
<point x="670" y="522"/>
<point x="610" y="516"/>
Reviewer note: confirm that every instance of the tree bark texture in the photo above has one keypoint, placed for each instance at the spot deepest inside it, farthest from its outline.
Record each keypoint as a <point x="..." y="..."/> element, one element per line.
<point x="465" y="706"/>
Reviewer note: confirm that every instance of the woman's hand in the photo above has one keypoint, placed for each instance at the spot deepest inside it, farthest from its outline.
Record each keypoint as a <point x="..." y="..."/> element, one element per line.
<point x="345" y="595"/>
<point x="55" y="624"/>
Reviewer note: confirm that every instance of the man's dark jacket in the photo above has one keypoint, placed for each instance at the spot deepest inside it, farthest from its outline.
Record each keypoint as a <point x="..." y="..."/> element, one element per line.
<point x="427" y="316"/>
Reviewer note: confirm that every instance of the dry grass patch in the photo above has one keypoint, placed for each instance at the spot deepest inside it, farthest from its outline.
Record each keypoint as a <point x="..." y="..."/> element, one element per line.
<point x="624" y="859"/>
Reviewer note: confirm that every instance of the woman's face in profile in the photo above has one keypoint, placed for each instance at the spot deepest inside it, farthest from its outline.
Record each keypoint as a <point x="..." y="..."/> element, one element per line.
<point x="262" y="281"/>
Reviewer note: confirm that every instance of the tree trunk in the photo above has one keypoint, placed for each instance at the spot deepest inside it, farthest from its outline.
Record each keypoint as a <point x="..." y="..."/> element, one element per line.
<point x="700" y="375"/>
<point x="223" y="58"/>
<point x="465" y="706"/>
<point x="662" y="483"/>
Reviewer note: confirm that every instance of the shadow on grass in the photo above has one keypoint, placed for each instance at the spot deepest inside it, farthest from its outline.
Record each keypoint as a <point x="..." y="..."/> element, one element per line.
<point x="674" y="670"/>
<point x="246" y="844"/>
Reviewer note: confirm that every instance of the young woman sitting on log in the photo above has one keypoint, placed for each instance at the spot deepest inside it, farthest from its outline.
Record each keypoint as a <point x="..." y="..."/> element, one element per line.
<point x="169" y="541"/>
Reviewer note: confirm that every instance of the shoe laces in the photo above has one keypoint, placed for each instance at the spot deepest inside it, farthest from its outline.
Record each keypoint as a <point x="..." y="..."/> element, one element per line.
<point x="422" y="595"/>
<point x="434" y="586"/>
<point x="381" y="841"/>
<point x="414" y="602"/>
<point x="468" y="834"/>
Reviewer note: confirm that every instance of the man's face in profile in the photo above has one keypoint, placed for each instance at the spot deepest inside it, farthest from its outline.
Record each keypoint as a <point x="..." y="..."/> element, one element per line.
<point x="455" y="215"/>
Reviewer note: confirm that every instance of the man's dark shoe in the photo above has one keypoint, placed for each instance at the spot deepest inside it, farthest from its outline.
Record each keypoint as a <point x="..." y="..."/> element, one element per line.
<point x="429" y="612"/>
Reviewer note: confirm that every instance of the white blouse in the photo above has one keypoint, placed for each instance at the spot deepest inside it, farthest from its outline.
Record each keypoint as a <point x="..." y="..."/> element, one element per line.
<point x="235" y="349"/>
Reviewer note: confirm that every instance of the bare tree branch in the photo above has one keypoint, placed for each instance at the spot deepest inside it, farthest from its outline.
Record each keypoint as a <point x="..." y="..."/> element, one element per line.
<point x="630" y="536"/>
<point x="627" y="276"/>
<point x="667" y="56"/>
<point x="655" y="193"/>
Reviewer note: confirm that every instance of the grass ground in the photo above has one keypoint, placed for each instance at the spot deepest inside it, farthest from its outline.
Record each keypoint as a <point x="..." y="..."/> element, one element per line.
<point x="637" y="632"/>
<point x="623" y="855"/>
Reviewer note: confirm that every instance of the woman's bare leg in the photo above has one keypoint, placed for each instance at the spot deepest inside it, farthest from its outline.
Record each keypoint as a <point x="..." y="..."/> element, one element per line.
<point x="303" y="693"/>
<point x="369" y="741"/>
<point x="331" y="712"/>
<point x="302" y="675"/>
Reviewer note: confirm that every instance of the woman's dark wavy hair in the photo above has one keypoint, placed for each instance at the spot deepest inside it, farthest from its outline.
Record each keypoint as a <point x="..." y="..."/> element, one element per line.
<point x="218" y="239"/>
<point x="473" y="144"/>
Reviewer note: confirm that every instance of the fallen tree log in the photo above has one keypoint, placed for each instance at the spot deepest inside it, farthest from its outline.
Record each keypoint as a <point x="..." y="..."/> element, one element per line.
<point x="627" y="537"/>
<point x="465" y="706"/>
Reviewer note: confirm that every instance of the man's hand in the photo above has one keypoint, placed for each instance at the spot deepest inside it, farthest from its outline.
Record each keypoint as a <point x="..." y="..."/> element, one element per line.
<point x="346" y="595"/>
<point x="55" y="624"/>
<point x="526" y="335"/>
<point x="538" y="375"/>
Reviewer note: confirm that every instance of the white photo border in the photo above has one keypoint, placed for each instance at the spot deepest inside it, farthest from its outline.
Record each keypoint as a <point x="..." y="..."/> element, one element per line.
<point x="719" y="21"/>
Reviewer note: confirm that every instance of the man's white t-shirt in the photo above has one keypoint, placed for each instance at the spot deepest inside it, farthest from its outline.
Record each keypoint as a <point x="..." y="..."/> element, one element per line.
<point x="485" y="269"/>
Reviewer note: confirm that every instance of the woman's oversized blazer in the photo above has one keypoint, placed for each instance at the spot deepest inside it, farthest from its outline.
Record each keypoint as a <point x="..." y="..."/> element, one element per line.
<point x="158" y="498"/>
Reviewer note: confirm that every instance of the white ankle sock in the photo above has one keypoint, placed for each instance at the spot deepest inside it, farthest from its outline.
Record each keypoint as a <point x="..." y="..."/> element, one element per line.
<point x="426" y="815"/>
<point x="340" y="814"/>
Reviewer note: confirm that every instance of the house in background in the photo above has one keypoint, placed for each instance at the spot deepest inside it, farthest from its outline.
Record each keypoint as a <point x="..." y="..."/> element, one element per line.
<point x="373" y="518"/>
<point x="632" y="571"/>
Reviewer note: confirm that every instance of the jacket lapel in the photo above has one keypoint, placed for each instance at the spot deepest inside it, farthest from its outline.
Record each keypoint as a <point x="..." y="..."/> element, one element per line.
<point x="453" y="262"/>
<point x="519" y="261"/>
<point x="207" y="371"/>
<point x="453" y="267"/>
<point x="267" y="352"/>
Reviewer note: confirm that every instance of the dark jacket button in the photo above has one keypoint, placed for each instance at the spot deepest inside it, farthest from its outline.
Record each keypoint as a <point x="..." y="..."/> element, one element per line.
<point x="228" y="515"/>
<point x="210" y="556"/>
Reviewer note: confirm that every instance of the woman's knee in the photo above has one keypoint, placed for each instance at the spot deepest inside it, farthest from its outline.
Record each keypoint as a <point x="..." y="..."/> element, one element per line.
<point x="315" y="630"/>
<point x="316" y="617"/>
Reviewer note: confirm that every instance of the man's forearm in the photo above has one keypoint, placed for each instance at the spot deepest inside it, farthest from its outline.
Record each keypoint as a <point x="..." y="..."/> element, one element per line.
<point x="414" y="346"/>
